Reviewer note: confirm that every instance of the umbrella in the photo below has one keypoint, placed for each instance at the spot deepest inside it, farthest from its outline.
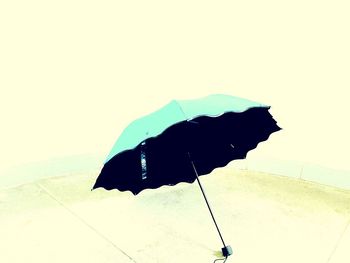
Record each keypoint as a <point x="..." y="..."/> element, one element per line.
<point x="184" y="140"/>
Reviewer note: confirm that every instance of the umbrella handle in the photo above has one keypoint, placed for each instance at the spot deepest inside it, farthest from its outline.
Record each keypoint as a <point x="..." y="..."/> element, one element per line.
<point x="226" y="250"/>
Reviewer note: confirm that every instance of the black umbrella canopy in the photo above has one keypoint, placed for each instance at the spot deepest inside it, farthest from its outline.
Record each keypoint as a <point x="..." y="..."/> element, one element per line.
<point x="209" y="140"/>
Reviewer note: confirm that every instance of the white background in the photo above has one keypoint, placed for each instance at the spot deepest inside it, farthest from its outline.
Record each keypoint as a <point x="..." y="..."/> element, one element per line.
<point x="73" y="73"/>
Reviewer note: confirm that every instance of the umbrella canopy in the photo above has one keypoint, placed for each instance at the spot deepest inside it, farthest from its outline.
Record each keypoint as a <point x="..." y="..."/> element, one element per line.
<point x="157" y="149"/>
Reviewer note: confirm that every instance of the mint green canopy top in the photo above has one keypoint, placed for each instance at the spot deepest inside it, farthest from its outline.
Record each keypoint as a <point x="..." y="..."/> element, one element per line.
<point x="174" y="112"/>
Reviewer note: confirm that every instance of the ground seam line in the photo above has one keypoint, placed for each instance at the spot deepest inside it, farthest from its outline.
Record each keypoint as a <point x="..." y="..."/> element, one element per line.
<point x="338" y="241"/>
<point x="84" y="222"/>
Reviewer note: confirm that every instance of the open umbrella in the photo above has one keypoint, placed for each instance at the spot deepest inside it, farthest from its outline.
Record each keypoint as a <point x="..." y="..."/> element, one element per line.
<point x="183" y="140"/>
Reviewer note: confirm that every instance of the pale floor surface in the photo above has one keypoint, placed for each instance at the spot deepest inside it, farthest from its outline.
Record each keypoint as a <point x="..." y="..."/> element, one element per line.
<point x="264" y="218"/>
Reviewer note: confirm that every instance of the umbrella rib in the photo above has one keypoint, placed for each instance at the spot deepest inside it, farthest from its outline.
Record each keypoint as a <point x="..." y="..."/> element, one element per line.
<point x="182" y="110"/>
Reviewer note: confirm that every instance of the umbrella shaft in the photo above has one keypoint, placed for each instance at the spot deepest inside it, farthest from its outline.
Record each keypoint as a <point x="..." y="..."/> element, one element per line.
<point x="206" y="200"/>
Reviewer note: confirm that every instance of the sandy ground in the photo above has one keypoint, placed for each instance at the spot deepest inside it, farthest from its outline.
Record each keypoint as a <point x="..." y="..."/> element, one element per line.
<point x="264" y="218"/>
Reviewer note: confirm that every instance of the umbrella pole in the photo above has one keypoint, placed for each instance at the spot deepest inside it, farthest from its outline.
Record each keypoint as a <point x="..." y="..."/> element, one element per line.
<point x="226" y="250"/>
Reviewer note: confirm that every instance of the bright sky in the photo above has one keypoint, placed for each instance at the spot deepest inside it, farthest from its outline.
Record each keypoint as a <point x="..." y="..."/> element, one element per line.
<point x="75" y="73"/>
